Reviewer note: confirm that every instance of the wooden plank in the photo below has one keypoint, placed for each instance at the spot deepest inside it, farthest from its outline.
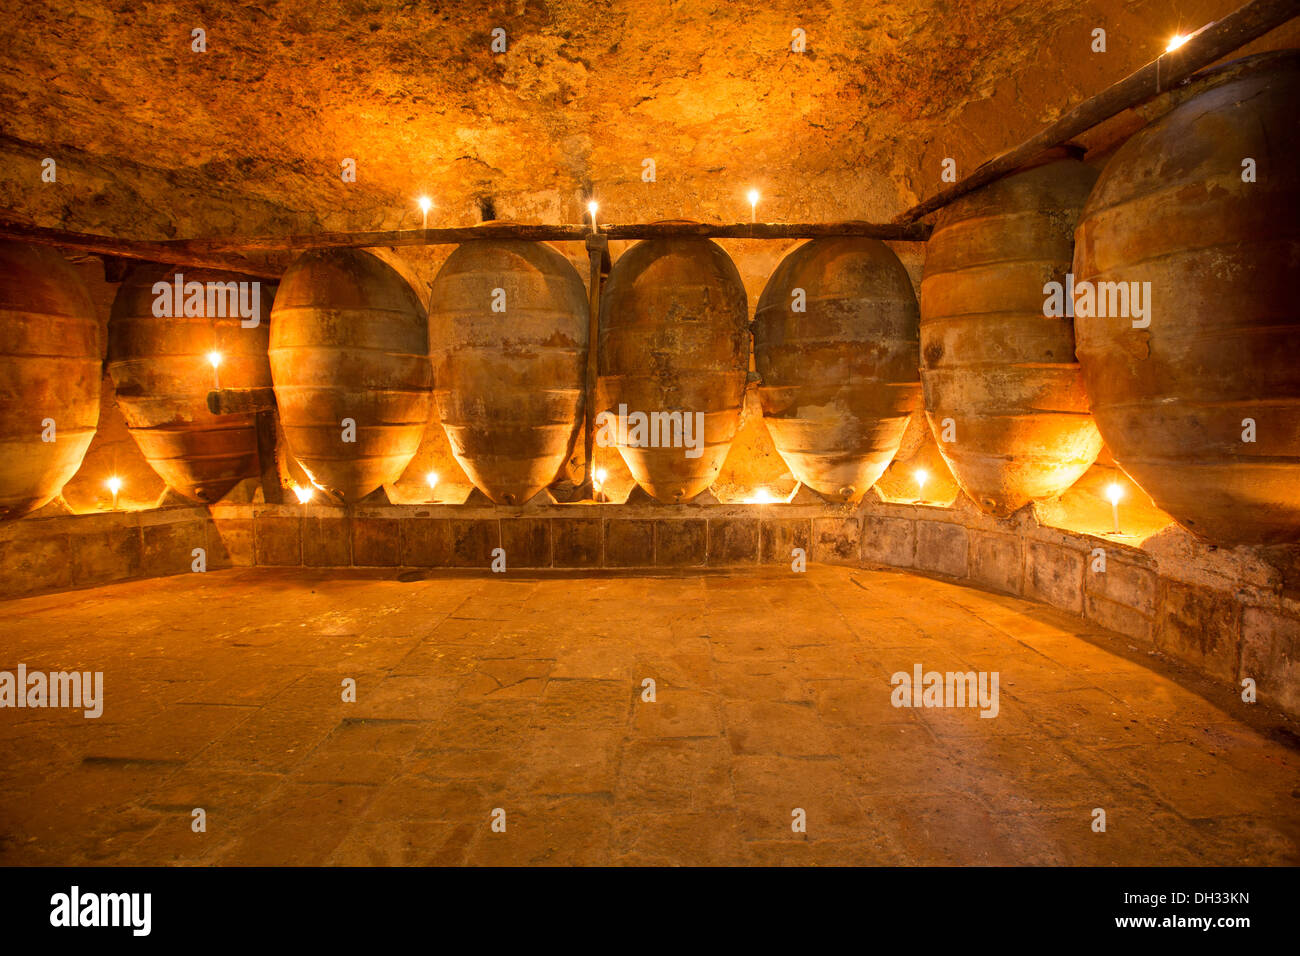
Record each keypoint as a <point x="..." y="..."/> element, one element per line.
<point x="912" y="232"/>
<point x="272" y="490"/>
<point x="228" y="254"/>
<point x="598" y="256"/>
<point x="1205" y="46"/>
<point x="142" y="250"/>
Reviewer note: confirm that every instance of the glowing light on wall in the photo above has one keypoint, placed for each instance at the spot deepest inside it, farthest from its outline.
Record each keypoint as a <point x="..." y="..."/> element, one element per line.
<point x="425" y="204"/>
<point x="753" y="205"/>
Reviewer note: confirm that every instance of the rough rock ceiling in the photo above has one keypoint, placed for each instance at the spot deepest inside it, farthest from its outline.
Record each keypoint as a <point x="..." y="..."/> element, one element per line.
<point x="156" y="140"/>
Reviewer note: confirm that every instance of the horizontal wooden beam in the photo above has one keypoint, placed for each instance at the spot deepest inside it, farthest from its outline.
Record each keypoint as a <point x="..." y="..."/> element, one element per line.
<point x="1204" y="47"/>
<point x="914" y="232"/>
<point x="269" y="257"/>
<point x="142" y="250"/>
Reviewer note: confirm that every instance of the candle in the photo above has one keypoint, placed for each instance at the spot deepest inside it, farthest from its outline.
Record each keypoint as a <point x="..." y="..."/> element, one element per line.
<point x="432" y="479"/>
<point x="425" y="204"/>
<point x="753" y="205"/>
<point x="114" y="485"/>
<point x="303" y="494"/>
<point x="922" y="476"/>
<point x="215" y="359"/>
<point x="1114" y="492"/>
<point x="1178" y="40"/>
<point x="591" y="208"/>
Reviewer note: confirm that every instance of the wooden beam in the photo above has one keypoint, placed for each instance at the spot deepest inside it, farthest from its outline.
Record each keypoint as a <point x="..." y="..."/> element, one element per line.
<point x="914" y="232"/>
<point x="1204" y="47"/>
<point x="141" y="250"/>
<point x="272" y="490"/>
<point x="772" y="230"/>
<point x="598" y="258"/>
<point x="229" y="254"/>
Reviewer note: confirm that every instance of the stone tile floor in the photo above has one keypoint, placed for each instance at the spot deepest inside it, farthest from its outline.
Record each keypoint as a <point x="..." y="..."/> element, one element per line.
<point x="476" y="692"/>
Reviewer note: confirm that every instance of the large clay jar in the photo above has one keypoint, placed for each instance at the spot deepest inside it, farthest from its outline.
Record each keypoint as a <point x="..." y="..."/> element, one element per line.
<point x="1003" y="390"/>
<point x="350" y="364"/>
<point x="508" y="324"/>
<point x="674" y="353"/>
<point x="162" y="373"/>
<point x="1199" y="400"/>
<point x="835" y="344"/>
<point x="49" y="375"/>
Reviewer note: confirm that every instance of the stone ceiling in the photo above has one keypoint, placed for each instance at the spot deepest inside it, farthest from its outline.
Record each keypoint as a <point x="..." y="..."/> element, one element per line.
<point x="154" y="140"/>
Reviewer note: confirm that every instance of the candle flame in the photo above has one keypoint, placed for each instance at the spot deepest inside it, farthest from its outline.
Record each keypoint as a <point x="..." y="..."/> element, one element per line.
<point x="114" y="484"/>
<point x="753" y="197"/>
<point x="425" y="204"/>
<point x="1114" y="492"/>
<point x="432" y="479"/>
<point x="304" y="494"/>
<point x="1178" y="40"/>
<point x="214" y="358"/>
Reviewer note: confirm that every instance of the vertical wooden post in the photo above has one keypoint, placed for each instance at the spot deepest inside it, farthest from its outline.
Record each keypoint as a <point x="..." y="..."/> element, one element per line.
<point x="272" y="490"/>
<point x="598" y="254"/>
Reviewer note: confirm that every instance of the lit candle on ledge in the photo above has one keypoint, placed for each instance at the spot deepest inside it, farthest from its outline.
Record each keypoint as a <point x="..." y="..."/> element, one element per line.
<point x="753" y="205"/>
<point x="592" y="207"/>
<point x="597" y="481"/>
<point x="215" y="359"/>
<point x="425" y="204"/>
<point x="922" y="476"/>
<point x="114" y="485"/>
<point x="1178" y="40"/>
<point x="303" y="494"/>
<point x="432" y="479"/>
<point x="1114" y="492"/>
